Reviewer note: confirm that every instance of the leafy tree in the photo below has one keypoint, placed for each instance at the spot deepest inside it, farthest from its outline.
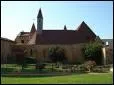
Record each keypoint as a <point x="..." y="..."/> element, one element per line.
<point x="92" y="51"/>
<point x="56" y="54"/>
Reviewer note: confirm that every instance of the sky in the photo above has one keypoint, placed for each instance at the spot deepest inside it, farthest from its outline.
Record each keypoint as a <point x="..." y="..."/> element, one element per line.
<point x="17" y="16"/>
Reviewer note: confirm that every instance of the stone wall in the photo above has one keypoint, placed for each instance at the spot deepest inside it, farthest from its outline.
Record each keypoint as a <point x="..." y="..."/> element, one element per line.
<point x="24" y="38"/>
<point x="109" y="55"/>
<point x="72" y="52"/>
<point x="6" y="49"/>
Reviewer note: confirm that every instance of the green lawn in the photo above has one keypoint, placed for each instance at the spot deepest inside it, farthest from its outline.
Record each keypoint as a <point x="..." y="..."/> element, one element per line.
<point x="102" y="78"/>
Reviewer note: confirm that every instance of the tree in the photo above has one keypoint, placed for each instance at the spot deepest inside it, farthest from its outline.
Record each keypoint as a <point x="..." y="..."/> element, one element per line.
<point x="22" y="62"/>
<point x="40" y="66"/>
<point x="56" y="54"/>
<point x="92" y="51"/>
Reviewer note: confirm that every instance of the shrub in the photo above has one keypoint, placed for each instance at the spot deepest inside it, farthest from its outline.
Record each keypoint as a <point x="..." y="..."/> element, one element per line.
<point x="101" y="69"/>
<point x="40" y="66"/>
<point x="89" y="65"/>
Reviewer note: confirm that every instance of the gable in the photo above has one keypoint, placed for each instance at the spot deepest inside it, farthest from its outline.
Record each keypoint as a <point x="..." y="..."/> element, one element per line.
<point x="85" y="30"/>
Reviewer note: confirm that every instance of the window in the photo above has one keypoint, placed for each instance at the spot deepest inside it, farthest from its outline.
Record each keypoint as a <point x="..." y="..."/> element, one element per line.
<point x="31" y="52"/>
<point x="22" y="41"/>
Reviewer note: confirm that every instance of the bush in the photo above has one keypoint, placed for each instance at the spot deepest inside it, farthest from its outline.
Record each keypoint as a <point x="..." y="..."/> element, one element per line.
<point x="40" y="66"/>
<point x="101" y="69"/>
<point x="89" y="65"/>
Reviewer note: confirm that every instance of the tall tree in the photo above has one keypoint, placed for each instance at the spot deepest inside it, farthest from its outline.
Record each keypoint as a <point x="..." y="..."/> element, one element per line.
<point x="93" y="51"/>
<point x="56" y="54"/>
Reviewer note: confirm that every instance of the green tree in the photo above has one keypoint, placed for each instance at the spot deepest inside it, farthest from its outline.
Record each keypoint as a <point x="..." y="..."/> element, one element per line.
<point x="92" y="51"/>
<point x="56" y="54"/>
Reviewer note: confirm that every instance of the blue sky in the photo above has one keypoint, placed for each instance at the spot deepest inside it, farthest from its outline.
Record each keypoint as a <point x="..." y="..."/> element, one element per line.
<point x="20" y="15"/>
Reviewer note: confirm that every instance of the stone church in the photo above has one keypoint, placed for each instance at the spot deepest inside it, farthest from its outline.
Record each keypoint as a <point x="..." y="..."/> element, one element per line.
<point x="37" y="42"/>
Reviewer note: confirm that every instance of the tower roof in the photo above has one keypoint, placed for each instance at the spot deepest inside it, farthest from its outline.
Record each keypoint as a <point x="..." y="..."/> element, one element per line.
<point x="40" y="14"/>
<point x="33" y="29"/>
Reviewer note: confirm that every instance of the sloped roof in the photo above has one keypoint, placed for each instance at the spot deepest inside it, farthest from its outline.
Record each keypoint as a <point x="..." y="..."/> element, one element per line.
<point x="82" y="35"/>
<point x="33" y="39"/>
<point x="85" y="29"/>
<point x="33" y="29"/>
<point x="24" y="34"/>
<point x="58" y="37"/>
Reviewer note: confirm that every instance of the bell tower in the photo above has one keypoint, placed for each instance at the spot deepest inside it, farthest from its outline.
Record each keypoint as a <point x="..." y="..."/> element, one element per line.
<point x="39" y="22"/>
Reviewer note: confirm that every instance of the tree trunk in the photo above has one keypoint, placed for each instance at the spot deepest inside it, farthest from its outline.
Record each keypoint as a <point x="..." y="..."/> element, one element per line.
<point x="52" y="67"/>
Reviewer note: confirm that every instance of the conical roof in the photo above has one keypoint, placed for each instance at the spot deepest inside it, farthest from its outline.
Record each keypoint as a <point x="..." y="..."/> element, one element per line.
<point x="40" y="14"/>
<point x="33" y="29"/>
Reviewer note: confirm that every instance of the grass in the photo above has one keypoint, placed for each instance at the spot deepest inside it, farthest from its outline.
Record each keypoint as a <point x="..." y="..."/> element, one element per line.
<point x="100" y="78"/>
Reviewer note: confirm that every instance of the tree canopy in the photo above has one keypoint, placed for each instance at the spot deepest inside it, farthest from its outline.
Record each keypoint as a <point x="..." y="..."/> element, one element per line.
<point x="92" y="51"/>
<point x="56" y="54"/>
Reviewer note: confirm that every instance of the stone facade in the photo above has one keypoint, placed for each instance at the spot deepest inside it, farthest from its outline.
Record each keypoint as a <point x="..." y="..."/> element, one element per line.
<point x="72" y="52"/>
<point x="6" y="49"/>
<point x="23" y="39"/>
<point x="109" y="55"/>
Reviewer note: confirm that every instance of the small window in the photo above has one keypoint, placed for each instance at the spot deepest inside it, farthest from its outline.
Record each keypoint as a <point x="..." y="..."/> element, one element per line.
<point x="22" y="41"/>
<point x="31" y="52"/>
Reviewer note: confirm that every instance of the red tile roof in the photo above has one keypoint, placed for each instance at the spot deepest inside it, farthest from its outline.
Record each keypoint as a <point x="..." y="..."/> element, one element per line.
<point x="60" y="37"/>
<point x="82" y="35"/>
<point x="85" y="29"/>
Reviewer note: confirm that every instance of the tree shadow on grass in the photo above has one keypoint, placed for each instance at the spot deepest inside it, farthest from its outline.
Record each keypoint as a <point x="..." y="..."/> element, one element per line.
<point x="41" y="75"/>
